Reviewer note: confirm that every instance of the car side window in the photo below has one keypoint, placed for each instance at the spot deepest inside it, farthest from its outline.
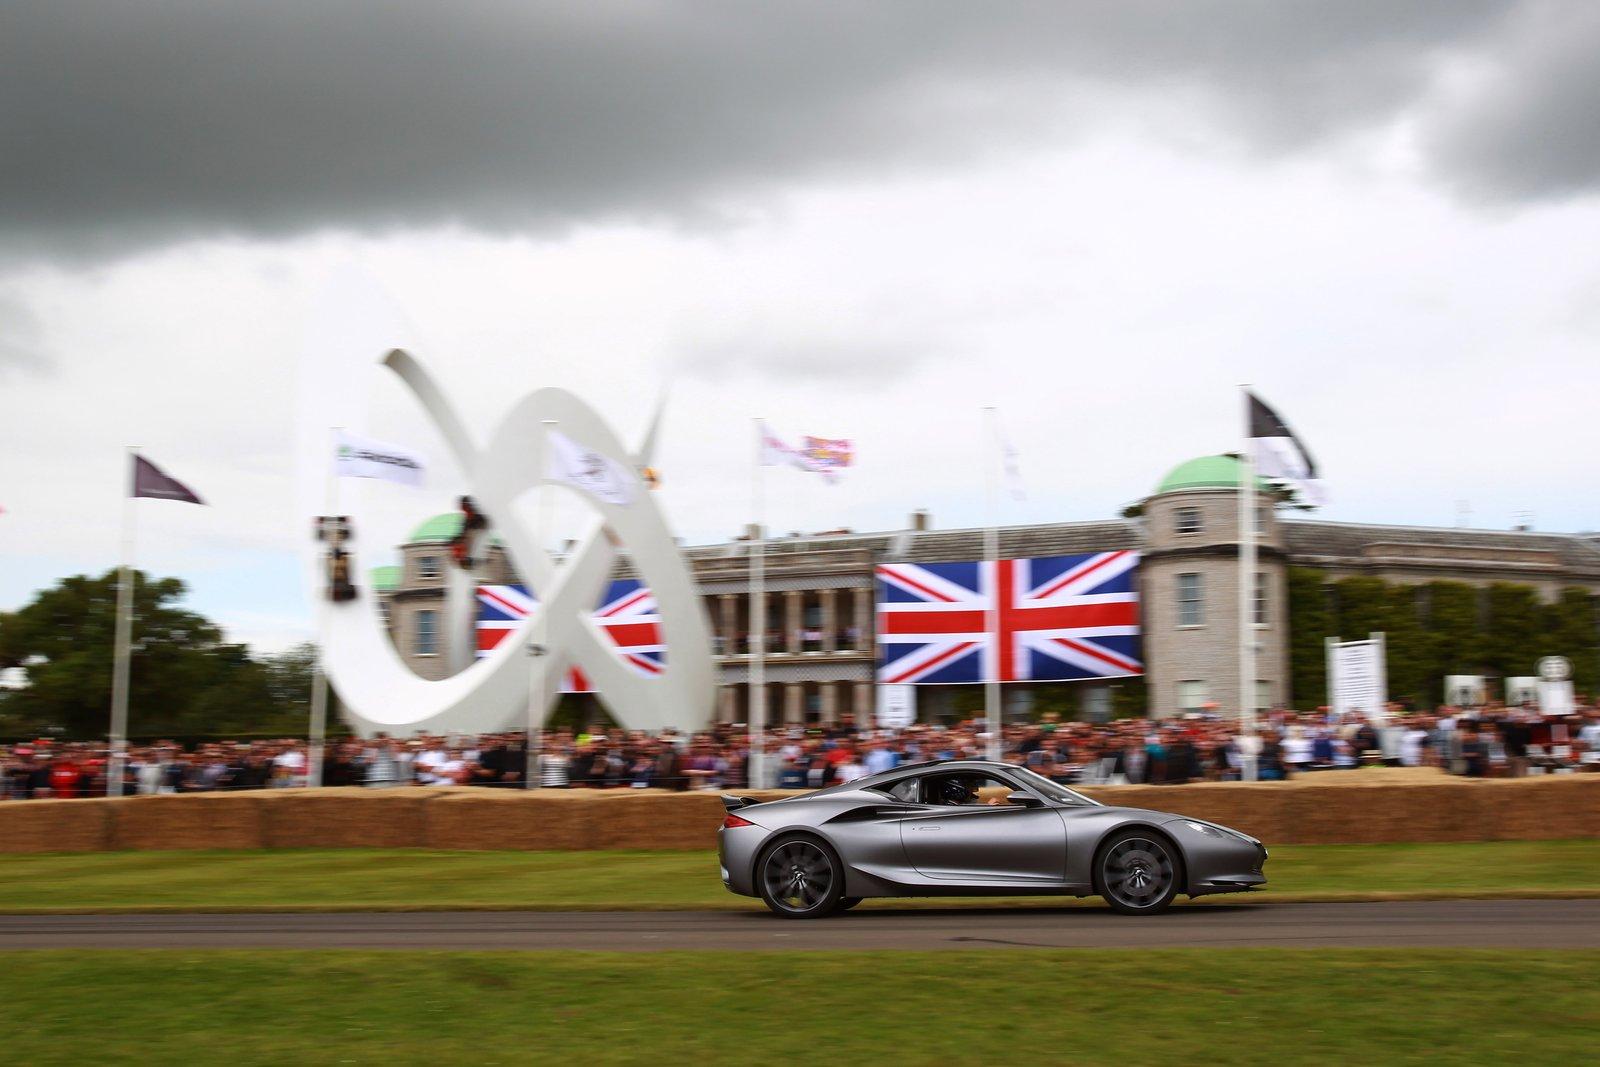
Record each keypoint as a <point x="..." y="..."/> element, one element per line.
<point x="965" y="789"/>
<point x="905" y="790"/>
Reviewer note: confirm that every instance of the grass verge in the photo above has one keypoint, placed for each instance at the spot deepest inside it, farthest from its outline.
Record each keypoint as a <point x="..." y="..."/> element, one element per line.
<point x="406" y="879"/>
<point x="1172" y="1006"/>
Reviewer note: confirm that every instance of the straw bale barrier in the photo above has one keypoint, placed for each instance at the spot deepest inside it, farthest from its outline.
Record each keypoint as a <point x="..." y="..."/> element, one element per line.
<point x="1337" y="808"/>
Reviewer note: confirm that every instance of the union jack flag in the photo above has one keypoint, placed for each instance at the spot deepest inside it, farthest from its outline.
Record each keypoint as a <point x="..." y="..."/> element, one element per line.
<point x="627" y="614"/>
<point x="1057" y="618"/>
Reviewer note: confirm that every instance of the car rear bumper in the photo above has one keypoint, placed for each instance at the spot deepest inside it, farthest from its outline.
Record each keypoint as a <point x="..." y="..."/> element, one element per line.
<point x="736" y="856"/>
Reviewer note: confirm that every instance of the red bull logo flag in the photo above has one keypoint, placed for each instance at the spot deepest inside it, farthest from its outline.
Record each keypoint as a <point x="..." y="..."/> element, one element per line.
<point x="1059" y="618"/>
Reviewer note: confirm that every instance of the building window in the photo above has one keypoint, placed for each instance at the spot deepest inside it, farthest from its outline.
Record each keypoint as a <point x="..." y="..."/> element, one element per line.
<point x="427" y="633"/>
<point x="1187" y="521"/>
<point x="1260" y="613"/>
<point x="1261" y="520"/>
<point x="1191" y="695"/>
<point x="427" y="566"/>
<point x="1191" y="603"/>
<point x="1263" y="695"/>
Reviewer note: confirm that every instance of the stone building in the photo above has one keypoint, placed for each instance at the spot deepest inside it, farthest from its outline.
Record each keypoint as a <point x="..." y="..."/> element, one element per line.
<point x="820" y="612"/>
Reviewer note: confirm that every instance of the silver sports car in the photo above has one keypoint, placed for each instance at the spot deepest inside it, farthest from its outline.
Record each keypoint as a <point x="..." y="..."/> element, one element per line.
<point x="971" y="827"/>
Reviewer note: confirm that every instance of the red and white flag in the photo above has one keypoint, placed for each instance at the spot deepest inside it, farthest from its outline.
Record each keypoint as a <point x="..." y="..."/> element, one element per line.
<point x="826" y="456"/>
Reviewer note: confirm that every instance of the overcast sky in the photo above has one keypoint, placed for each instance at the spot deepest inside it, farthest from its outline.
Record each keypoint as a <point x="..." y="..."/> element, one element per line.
<point x="862" y="220"/>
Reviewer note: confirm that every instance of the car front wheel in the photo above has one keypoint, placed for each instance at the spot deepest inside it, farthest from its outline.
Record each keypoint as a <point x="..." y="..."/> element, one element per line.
<point x="801" y="878"/>
<point x="1138" y="873"/>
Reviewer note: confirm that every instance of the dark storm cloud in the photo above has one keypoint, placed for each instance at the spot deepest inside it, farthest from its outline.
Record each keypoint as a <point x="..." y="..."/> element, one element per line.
<point x="1529" y="128"/>
<point x="152" y="120"/>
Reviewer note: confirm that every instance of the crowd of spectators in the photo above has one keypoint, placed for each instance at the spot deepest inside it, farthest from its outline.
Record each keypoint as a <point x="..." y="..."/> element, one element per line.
<point x="1487" y="742"/>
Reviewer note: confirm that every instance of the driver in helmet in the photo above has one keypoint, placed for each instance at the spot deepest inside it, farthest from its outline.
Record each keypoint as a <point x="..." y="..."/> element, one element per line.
<point x="957" y="790"/>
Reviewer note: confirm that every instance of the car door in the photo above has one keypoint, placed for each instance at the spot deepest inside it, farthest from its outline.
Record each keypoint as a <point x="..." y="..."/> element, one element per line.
<point x="986" y="843"/>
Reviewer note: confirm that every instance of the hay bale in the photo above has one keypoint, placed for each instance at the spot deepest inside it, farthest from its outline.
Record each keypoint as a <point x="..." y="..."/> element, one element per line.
<point x="1448" y="811"/>
<point x="196" y="820"/>
<point x="349" y="817"/>
<point x="647" y="819"/>
<point x="489" y="819"/>
<point x="55" y="826"/>
<point x="1551" y="806"/>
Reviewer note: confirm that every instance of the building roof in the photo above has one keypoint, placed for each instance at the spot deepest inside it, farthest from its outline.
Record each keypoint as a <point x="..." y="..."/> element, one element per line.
<point x="1205" y="472"/>
<point x="442" y="528"/>
<point x="385" y="578"/>
<point x="439" y="528"/>
<point x="1313" y="542"/>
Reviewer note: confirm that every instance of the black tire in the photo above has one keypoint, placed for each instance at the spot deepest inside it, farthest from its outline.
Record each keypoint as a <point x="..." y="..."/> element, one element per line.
<point x="1138" y="872"/>
<point x="846" y="903"/>
<point x="800" y="877"/>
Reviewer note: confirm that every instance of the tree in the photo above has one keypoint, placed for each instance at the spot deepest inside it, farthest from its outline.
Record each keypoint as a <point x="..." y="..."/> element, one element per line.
<point x="1310" y="624"/>
<point x="1455" y="636"/>
<point x="184" y="679"/>
<point x="1513" y="632"/>
<point x="1571" y="628"/>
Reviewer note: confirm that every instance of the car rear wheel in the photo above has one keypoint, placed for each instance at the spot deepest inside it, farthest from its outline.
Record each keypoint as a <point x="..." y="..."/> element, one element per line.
<point x="1138" y="873"/>
<point x="801" y="878"/>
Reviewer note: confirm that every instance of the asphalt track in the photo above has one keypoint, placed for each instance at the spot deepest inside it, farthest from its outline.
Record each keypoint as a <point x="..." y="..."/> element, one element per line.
<point x="1415" y="924"/>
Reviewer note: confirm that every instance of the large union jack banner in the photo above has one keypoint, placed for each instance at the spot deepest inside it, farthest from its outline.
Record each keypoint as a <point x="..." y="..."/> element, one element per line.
<point x="1057" y="618"/>
<point x="627" y="614"/>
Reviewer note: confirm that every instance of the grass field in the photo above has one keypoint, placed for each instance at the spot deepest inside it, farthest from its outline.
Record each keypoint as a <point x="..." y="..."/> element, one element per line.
<point x="1160" y="1007"/>
<point x="410" y="879"/>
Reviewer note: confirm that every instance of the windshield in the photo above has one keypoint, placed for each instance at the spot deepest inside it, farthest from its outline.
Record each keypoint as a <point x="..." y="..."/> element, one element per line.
<point x="1058" y="793"/>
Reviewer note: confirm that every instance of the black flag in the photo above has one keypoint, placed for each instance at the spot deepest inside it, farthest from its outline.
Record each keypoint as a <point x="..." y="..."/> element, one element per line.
<point x="1278" y="453"/>
<point x="150" y="480"/>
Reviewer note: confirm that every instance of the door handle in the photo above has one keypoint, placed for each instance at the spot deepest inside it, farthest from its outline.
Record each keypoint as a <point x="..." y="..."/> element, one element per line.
<point x="930" y="828"/>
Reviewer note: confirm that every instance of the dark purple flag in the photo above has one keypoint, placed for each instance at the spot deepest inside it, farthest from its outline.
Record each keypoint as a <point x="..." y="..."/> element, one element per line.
<point x="150" y="480"/>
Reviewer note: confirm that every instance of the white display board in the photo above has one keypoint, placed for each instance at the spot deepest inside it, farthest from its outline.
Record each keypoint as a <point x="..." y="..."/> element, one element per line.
<point x="1555" y="698"/>
<point x="1521" y="690"/>
<point x="897" y="706"/>
<point x="1465" y="690"/>
<point x="1358" y="681"/>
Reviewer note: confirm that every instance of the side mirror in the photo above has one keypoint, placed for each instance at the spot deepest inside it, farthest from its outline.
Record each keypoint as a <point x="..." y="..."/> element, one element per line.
<point x="1025" y="799"/>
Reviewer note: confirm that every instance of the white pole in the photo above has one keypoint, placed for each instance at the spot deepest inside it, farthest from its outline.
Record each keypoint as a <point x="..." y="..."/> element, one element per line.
<point x="538" y="670"/>
<point x="758" y="621"/>
<point x="1247" y="599"/>
<point x="319" y="677"/>
<point x="991" y="553"/>
<point x="122" y="655"/>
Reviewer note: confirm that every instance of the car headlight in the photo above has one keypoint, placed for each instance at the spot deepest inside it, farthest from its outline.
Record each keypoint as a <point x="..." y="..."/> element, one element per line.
<point x="1206" y="828"/>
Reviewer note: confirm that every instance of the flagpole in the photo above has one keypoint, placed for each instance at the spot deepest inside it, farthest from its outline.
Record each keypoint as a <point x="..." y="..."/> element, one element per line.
<point x="122" y="654"/>
<point x="991" y="552"/>
<point x="1247" y="589"/>
<point x="538" y="680"/>
<point x="319" y="677"/>
<point x="757" y="725"/>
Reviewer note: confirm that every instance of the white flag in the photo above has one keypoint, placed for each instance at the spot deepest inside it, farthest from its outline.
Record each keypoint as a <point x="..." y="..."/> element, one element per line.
<point x="588" y="471"/>
<point x="1010" y="463"/>
<point x="362" y="457"/>
<point x="820" y="455"/>
<point x="1278" y="454"/>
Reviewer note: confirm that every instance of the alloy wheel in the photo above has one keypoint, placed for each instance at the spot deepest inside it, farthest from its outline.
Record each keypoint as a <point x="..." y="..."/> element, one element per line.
<point x="1137" y="872"/>
<point x="798" y="876"/>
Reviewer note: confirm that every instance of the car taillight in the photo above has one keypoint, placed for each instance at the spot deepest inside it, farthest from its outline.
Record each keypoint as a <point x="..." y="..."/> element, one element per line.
<point x="733" y="822"/>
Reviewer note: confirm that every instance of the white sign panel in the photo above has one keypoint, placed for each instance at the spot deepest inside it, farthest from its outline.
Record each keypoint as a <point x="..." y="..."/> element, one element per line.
<point x="1465" y="690"/>
<point x="1521" y="690"/>
<point x="1357" y="682"/>
<point x="1555" y="698"/>
<point x="897" y="706"/>
<point x="1555" y="668"/>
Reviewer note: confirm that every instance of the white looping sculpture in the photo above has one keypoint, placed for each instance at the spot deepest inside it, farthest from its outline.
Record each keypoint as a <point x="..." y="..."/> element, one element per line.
<point x="380" y="693"/>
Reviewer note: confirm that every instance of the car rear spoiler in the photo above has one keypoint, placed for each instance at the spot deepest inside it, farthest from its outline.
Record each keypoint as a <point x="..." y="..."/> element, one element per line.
<point x="733" y="803"/>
